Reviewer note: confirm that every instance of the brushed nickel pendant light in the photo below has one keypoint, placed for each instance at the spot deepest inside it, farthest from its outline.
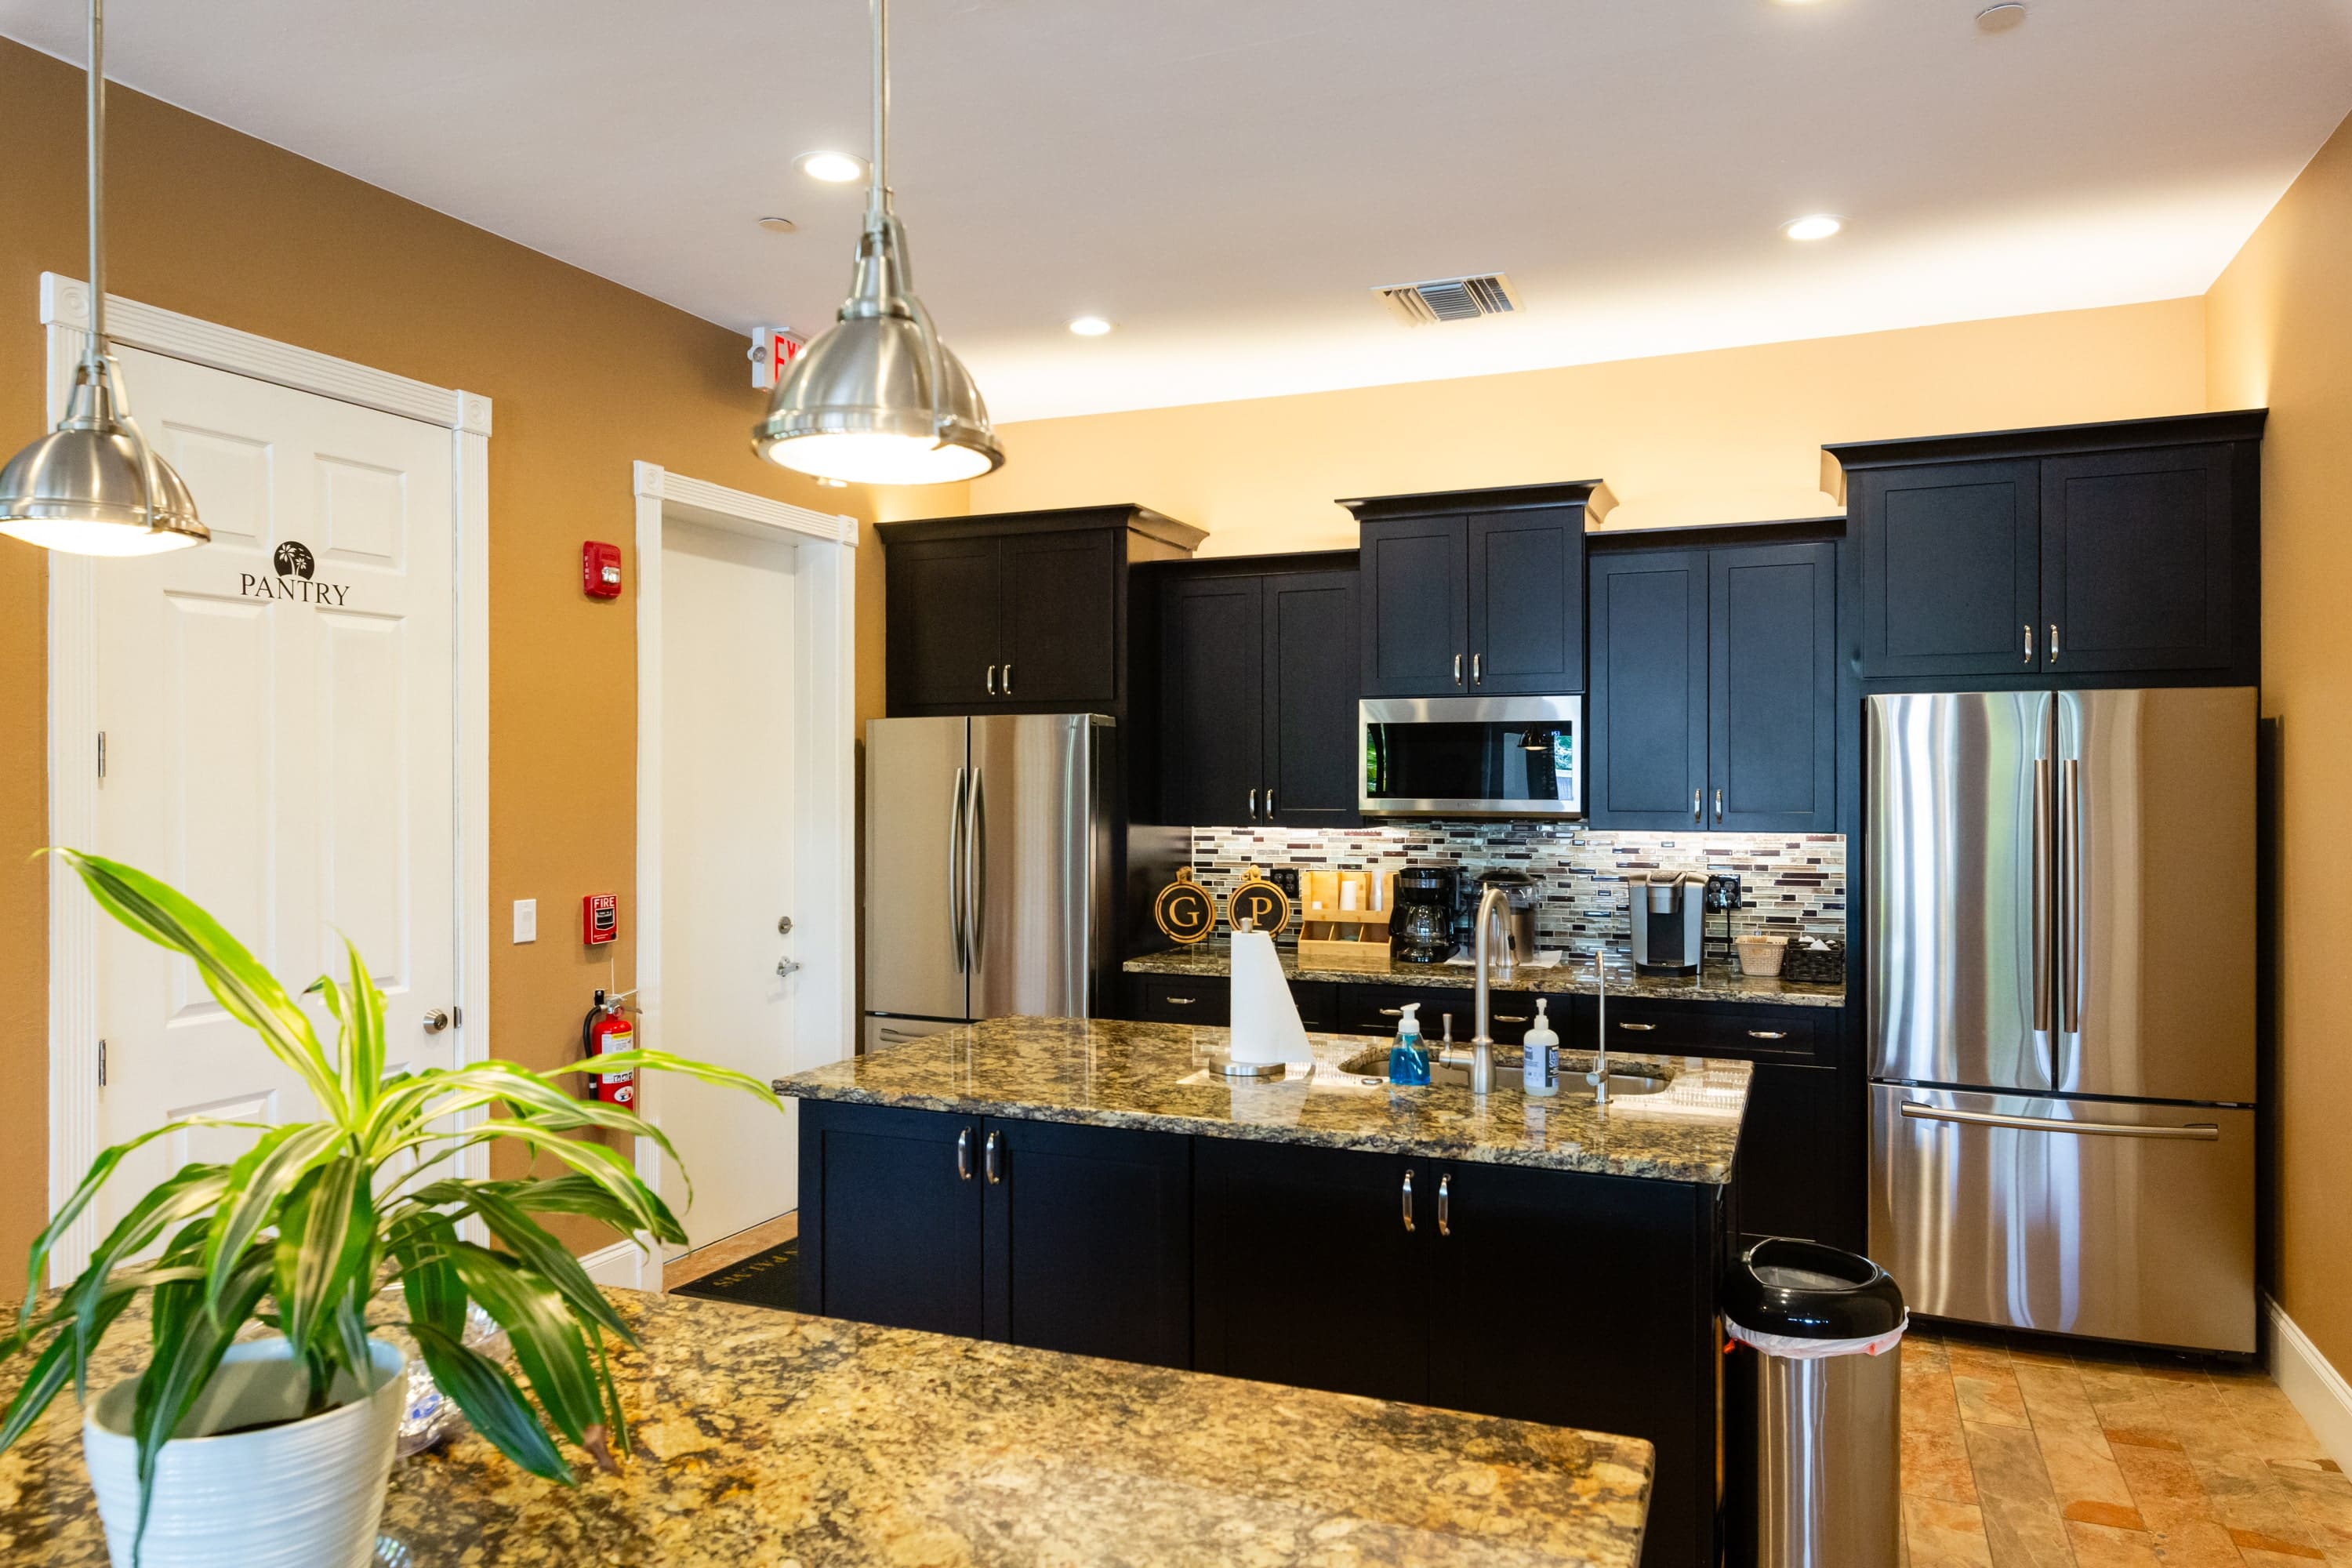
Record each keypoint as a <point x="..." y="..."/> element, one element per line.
<point x="880" y="399"/>
<point x="94" y="486"/>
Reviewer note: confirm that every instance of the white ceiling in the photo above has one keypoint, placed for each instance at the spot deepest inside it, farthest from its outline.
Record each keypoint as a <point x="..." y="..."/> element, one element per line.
<point x="1226" y="179"/>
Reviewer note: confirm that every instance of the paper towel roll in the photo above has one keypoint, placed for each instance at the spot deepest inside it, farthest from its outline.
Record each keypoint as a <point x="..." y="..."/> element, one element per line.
<point x="1266" y="1027"/>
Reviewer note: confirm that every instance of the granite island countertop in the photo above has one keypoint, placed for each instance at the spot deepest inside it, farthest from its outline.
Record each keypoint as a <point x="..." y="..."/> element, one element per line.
<point x="767" y="1439"/>
<point x="1110" y="1073"/>
<point x="1715" y="982"/>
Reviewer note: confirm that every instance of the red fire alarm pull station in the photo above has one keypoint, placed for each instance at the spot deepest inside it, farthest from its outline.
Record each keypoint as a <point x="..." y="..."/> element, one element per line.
<point x="600" y="917"/>
<point x="600" y="570"/>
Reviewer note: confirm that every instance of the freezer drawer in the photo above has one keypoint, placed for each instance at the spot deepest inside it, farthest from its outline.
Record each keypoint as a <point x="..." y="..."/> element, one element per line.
<point x="2114" y="1220"/>
<point x="881" y="1034"/>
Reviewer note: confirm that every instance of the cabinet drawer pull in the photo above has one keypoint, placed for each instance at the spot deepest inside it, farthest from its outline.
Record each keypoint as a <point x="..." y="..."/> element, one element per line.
<point x="1768" y="1033"/>
<point x="963" y="1155"/>
<point x="1391" y="1012"/>
<point x="1179" y="1001"/>
<point x="1446" y="1204"/>
<point x="995" y="1158"/>
<point x="1408" y="1199"/>
<point x="992" y="680"/>
<point x="1501" y="1018"/>
<point x="1637" y="1028"/>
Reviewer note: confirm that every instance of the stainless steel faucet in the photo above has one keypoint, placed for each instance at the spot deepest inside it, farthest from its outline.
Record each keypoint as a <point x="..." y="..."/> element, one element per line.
<point x="1599" y="1076"/>
<point x="1491" y="905"/>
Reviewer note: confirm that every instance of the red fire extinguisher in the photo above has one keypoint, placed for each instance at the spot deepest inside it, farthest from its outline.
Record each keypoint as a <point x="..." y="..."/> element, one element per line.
<point x="605" y="1030"/>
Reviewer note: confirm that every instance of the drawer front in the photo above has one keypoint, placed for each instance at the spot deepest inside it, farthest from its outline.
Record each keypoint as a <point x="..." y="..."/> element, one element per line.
<point x="1169" y="999"/>
<point x="1375" y="1009"/>
<point x="1755" y="1034"/>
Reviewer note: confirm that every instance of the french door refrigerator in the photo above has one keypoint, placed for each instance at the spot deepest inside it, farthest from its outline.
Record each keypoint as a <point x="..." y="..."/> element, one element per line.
<point x="988" y="870"/>
<point x="2060" y="907"/>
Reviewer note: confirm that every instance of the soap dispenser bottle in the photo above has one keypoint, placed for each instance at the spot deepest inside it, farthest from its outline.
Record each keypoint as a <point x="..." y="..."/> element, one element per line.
<point x="1408" y="1062"/>
<point x="1539" y="1061"/>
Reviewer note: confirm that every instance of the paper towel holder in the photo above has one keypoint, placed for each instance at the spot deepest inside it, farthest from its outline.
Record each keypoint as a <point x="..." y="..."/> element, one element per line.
<point x="1231" y="1069"/>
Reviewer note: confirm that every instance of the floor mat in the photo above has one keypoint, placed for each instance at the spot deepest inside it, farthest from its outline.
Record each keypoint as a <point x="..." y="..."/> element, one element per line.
<point x="769" y="1279"/>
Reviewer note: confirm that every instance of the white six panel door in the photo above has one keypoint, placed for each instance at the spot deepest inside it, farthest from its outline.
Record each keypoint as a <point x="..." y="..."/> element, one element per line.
<point x="278" y="714"/>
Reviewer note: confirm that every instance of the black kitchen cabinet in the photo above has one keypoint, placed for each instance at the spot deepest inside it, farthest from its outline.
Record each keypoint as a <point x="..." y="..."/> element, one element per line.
<point x="2035" y="557"/>
<point x="1475" y="593"/>
<point x="1303" y="1272"/>
<point x="1017" y="611"/>
<point x="1257" y="674"/>
<point x="1531" y="1276"/>
<point x="1207" y="999"/>
<point x="1068" y="1238"/>
<point x="891" y="1218"/>
<point x="1088" y="1240"/>
<point x="1788" y="1180"/>
<point x="1714" y="700"/>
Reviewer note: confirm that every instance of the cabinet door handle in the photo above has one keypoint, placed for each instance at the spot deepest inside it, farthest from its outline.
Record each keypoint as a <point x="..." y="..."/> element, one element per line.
<point x="1269" y="803"/>
<point x="2054" y="642"/>
<point x="1768" y="1033"/>
<point x="1008" y="677"/>
<point x="963" y="1155"/>
<point x="1446" y="1204"/>
<point x="1253" y="806"/>
<point x="1696" y="815"/>
<point x="1719" y="805"/>
<point x="1408" y="1198"/>
<point x="2029" y="642"/>
<point x="1476" y="679"/>
<point x="992" y="680"/>
<point x="995" y="1158"/>
<point x="1637" y="1028"/>
<point x="1457" y="669"/>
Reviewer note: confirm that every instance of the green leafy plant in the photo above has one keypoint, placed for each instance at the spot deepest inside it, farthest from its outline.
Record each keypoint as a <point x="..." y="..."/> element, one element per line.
<point x="305" y="1228"/>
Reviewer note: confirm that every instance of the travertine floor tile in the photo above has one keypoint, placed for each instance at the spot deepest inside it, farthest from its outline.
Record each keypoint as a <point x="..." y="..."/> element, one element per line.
<point x="2103" y="1546"/>
<point x="1985" y="1383"/>
<point x="1940" y="1534"/>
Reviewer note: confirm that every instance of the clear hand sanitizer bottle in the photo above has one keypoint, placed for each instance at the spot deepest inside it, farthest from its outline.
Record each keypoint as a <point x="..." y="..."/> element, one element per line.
<point x="1539" y="1061"/>
<point x="1408" y="1063"/>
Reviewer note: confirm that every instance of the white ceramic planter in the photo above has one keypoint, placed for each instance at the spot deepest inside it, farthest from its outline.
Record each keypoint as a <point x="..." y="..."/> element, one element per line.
<point x="307" y="1494"/>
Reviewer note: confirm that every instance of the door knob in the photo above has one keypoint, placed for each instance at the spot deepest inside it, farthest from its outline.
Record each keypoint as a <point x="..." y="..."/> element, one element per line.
<point x="784" y="968"/>
<point x="436" y="1020"/>
<point x="784" y="925"/>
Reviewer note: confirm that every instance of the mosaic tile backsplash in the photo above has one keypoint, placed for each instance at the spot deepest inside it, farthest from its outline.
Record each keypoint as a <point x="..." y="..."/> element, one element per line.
<point x="1789" y="882"/>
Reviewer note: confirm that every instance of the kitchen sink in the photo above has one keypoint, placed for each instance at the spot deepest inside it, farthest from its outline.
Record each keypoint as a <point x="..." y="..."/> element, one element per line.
<point x="1375" y="1064"/>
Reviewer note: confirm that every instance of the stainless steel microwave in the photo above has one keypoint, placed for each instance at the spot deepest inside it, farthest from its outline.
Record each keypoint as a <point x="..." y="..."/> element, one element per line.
<point x="1471" y="756"/>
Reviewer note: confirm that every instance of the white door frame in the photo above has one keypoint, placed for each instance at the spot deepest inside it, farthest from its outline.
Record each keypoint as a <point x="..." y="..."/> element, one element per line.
<point x="824" y="911"/>
<point x="73" y="697"/>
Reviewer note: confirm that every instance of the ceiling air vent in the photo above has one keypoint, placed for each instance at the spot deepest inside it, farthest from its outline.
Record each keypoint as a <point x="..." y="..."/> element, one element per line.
<point x="1451" y="299"/>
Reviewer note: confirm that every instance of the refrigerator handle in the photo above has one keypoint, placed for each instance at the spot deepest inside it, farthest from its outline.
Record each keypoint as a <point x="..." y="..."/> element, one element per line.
<point x="975" y="873"/>
<point x="2042" y="869"/>
<point x="955" y="872"/>
<point x="2070" y="971"/>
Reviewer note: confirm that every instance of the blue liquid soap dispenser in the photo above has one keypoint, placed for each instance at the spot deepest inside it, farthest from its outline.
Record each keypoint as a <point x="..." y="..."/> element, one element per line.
<point x="1408" y="1063"/>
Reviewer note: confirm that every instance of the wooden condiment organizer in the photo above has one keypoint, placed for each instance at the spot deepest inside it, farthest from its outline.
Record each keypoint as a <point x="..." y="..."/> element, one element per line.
<point x="1332" y="937"/>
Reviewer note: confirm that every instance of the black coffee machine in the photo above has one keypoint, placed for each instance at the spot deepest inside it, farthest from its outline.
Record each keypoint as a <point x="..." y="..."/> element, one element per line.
<point x="1421" y="926"/>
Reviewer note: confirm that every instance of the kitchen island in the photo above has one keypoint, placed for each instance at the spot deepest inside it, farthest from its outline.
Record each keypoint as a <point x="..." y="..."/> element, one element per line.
<point x="1095" y="1186"/>
<point x="768" y="1439"/>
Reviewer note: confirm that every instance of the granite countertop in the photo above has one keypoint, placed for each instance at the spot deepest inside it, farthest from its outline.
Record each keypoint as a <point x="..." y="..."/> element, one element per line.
<point x="1716" y="980"/>
<point x="1111" y="1073"/>
<point x="766" y="1439"/>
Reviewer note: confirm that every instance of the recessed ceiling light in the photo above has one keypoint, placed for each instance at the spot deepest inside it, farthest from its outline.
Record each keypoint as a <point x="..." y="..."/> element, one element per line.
<point x="833" y="484"/>
<point x="2000" y="18"/>
<point x="778" y="224"/>
<point x="1089" y="326"/>
<point x="1815" y="226"/>
<point x="833" y="168"/>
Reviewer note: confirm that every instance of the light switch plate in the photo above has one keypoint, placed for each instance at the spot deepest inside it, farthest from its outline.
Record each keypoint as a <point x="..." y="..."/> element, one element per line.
<point x="526" y="919"/>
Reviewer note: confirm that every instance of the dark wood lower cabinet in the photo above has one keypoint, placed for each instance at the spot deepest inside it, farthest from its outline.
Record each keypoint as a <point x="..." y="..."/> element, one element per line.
<point x="891" y="1218"/>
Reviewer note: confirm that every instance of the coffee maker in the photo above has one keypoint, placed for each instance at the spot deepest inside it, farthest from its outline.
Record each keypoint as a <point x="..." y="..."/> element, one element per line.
<point x="1668" y="916"/>
<point x="1421" y="926"/>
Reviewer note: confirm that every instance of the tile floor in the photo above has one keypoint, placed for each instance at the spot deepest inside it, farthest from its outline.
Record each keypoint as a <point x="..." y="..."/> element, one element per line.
<point x="2019" y="1454"/>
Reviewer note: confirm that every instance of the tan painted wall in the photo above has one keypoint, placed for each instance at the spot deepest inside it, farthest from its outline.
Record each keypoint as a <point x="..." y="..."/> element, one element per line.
<point x="1729" y="435"/>
<point x="2278" y="332"/>
<point x="587" y="377"/>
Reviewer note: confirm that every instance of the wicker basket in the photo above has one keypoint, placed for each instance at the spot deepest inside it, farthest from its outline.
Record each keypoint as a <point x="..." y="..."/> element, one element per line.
<point x="1760" y="955"/>
<point x="1810" y="965"/>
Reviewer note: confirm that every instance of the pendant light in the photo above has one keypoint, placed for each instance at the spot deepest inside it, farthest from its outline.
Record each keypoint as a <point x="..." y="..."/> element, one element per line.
<point x="880" y="399"/>
<point x="94" y="486"/>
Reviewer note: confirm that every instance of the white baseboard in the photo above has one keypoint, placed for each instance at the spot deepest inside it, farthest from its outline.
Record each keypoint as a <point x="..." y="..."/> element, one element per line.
<point x="2313" y="1384"/>
<point x="621" y="1264"/>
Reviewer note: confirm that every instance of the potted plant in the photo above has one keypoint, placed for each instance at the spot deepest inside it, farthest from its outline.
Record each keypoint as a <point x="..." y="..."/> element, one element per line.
<point x="277" y="1450"/>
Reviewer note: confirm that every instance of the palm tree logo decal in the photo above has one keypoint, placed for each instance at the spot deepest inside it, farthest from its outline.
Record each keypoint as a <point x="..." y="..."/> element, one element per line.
<point x="293" y="560"/>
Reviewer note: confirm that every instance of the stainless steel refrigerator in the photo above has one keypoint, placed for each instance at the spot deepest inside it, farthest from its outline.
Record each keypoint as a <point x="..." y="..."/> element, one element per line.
<point x="2060" y="904"/>
<point x="989" y="870"/>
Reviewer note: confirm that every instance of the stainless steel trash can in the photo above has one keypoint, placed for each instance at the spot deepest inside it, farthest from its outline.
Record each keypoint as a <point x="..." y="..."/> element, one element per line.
<point x="1816" y="1343"/>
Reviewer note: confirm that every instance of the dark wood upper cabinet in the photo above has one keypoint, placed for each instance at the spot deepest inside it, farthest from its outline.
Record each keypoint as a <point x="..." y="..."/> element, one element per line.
<point x="1773" y="689"/>
<point x="1257" y="692"/>
<point x="2037" y="556"/>
<point x="1647" y="719"/>
<point x="1475" y="593"/>
<point x="1714" y="700"/>
<point x="1017" y="611"/>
